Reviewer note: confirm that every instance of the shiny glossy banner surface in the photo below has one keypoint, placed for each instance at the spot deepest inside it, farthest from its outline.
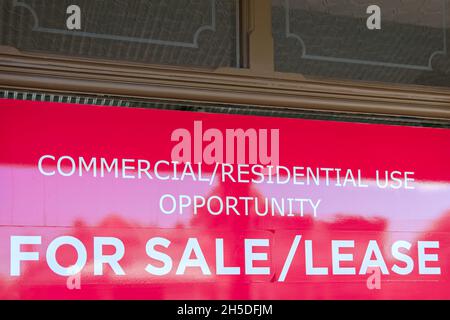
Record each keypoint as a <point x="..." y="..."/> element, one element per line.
<point x="126" y="203"/>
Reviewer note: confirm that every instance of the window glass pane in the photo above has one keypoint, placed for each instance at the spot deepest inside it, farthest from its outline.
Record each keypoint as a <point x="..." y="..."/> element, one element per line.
<point x="332" y="39"/>
<point x="175" y="32"/>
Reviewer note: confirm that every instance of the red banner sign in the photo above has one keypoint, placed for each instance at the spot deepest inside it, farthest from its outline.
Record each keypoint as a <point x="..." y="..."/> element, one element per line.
<point x="108" y="202"/>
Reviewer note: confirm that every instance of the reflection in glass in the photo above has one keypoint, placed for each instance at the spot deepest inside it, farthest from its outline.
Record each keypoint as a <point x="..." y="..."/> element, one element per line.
<point x="331" y="39"/>
<point x="175" y="32"/>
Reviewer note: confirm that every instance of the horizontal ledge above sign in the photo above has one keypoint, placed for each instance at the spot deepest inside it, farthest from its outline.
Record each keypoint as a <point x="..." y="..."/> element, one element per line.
<point x="230" y="86"/>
